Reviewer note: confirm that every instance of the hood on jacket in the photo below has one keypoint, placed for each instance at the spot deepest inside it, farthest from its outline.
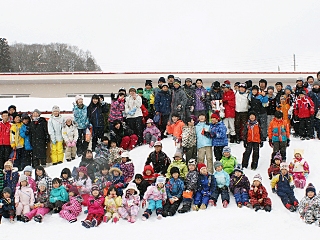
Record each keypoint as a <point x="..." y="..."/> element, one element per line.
<point x="148" y="167"/>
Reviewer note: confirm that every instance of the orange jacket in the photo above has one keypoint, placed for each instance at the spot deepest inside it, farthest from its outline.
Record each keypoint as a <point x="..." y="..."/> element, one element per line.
<point x="252" y="132"/>
<point x="284" y="108"/>
<point x="175" y="129"/>
<point x="278" y="130"/>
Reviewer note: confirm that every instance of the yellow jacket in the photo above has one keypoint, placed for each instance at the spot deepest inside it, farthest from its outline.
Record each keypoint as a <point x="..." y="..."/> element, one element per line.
<point x="112" y="204"/>
<point x="16" y="140"/>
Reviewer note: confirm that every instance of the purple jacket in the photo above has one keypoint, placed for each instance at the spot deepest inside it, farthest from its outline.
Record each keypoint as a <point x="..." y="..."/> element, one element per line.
<point x="200" y="96"/>
<point x="96" y="205"/>
<point x="242" y="183"/>
<point x="127" y="169"/>
<point x="116" y="109"/>
<point x="153" y="130"/>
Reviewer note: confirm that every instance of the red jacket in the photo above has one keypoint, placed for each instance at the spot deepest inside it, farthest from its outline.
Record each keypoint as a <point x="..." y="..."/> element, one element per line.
<point x="303" y="107"/>
<point x="152" y="177"/>
<point x="5" y="133"/>
<point x="261" y="193"/>
<point x="229" y="103"/>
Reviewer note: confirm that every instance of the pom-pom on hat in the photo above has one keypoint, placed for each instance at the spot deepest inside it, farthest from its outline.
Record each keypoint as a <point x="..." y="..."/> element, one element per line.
<point x="192" y="161"/>
<point x="257" y="177"/>
<point x="310" y="188"/>
<point x="23" y="178"/>
<point x="277" y="156"/>
<point x="43" y="183"/>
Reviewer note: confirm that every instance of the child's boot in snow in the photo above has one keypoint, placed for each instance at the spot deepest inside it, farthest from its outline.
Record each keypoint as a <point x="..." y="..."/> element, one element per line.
<point x="185" y="208"/>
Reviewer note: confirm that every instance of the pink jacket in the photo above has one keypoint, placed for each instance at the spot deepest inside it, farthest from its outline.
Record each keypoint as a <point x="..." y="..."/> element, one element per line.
<point x="153" y="130"/>
<point x="127" y="202"/>
<point x="96" y="205"/>
<point x="73" y="206"/>
<point x="153" y="193"/>
<point x="32" y="184"/>
<point x="24" y="195"/>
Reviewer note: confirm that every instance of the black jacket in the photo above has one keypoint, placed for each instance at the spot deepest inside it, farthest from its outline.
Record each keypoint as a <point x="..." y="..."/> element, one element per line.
<point x="160" y="162"/>
<point x="142" y="187"/>
<point x="39" y="137"/>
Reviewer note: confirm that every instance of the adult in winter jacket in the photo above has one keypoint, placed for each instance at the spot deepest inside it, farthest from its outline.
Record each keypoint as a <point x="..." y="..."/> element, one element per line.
<point x="123" y="135"/>
<point x="242" y="106"/>
<point x="24" y="133"/>
<point x="134" y="114"/>
<point x="179" y="100"/>
<point x="309" y="205"/>
<point x="5" y="148"/>
<point x="200" y="99"/>
<point x="159" y="160"/>
<point x="271" y="105"/>
<point x="81" y="118"/>
<point x="70" y="137"/>
<point x="95" y="111"/>
<point x="162" y="107"/>
<point x="229" y="104"/>
<point x="240" y="186"/>
<point x="55" y="131"/>
<point x="218" y="132"/>
<point x="314" y="94"/>
<point x="189" y="90"/>
<point x="39" y="137"/>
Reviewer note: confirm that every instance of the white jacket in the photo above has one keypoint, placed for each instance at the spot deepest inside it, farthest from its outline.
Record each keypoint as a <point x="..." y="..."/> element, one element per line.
<point x="242" y="102"/>
<point x="133" y="104"/>
<point x="55" y="128"/>
<point x="70" y="133"/>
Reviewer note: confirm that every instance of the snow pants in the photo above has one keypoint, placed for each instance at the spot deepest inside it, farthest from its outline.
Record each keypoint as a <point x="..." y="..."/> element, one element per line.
<point x="262" y="119"/>
<point x="4" y="154"/>
<point x="172" y="208"/>
<point x="150" y="138"/>
<point x="190" y="153"/>
<point x="252" y="147"/>
<point x="265" y="202"/>
<point x="57" y="152"/>
<point x="71" y="152"/>
<point x="305" y="128"/>
<point x="135" y="124"/>
<point x="229" y="122"/>
<point x="279" y="146"/>
<point x="241" y="195"/>
<point x="125" y="212"/>
<point x="217" y="150"/>
<point x="287" y="198"/>
<point x="37" y="211"/>
<point x="22" y="209"/>
<point x="128" y="143"/>
<point x="299" y="179"/>
<point x="224" y="194"/>
<point x="98" y="217"/>
<point x="201" y="198"/>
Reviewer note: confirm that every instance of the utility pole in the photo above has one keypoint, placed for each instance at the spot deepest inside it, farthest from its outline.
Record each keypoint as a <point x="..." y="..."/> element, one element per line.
<point x="294" y="63"/>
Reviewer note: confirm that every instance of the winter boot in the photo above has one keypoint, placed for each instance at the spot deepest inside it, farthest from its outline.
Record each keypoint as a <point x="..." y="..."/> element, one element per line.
<point x="68" y="160"/>
<point x="239" y="205"/>
<point x="297" y="183"/>
<point x="38" y="218"/>
<point x="185" y="208"/>
<point x="132" y="219"/>
<point x="11" y="219"/>
<point x="203" y="206"/>
<point x="147" y="214"/>
<point x="25" y="219"/>
<point x="232" y="138"/>
<point x="256" y="207"/>
<point x="151" y="144"/>
<point x="86" y="223"/>
<point x="225" y="203"/>
<point x="18" y="218"/>
<point x="212" y="203"/>
<point x="115" y="219"/>
<point x="94" y="223"/>
<point x="72" y="220"/>
<point x="267" y="208"/>
<point x="195" y="208"/>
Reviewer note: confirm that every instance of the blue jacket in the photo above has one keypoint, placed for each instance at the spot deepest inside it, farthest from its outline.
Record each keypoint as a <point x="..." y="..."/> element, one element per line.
<point x="258" y="102"/>
<point x="204" y="186"/>
<point x="218" y="132"/>
<point x="162" y="102"/>
<point x="80" y="116"/>
<point x="59" y="194"/>
<point x="202" y="140"/>
<point x="174" y="188"/>
<point x="27" y="143"/>
<point x="222" y="178"/>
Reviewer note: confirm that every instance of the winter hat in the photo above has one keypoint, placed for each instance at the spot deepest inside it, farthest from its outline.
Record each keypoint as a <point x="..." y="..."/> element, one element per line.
<point x="133" y="186"/>
<point x="101" y="96"/>
<point x="83" y="169"/>
<point x="299" y="79"/>
<point x="27" y="169"/>
<point x="164" y="84"/>
<point x="37" y="111"/>
<point x="25" y="116"/>
<point x="270" y="87"/>
<point x="257" y="177"/>
<point x="310" y="188"/>
<point x="227" y="84"/>
<point x="115" y="169"/>
<point x="132" y="89"/>
<point x="66" y="118"/>
<point x="288" y="87"/>
<point x="226" y="149"/>
<point x="201" y="165"/>
<point x="7" y="190"/>
<point x="95" y="188"/>
<point x="78" y="97"/>
<point x="8" y="163"/>
<point x="162" y="79"/>
<point x="278" y="114"/>
<point x="177" y="81"/>
<point x="255" y="87"/>
<point x="174" y="170"/>
<point x="242" y="85"/>
<point x="194" y="118"/>
<point x="177" y="154"/>
<point x="157" y="143"/>
<point x="149" y="120"/>
<point x="42" y="182"/>
<point x="55" y="108"/>
<point x="284" y="165"/>
<point x="15" y="114"/>
<point x="192" y="161"/>
<point x="216" y="85"/>
<point x="74" y="189"/>
<point x="170" y="76"/>
<point x="279" y="83"/>
<point x="300" y="151"/>
<point x="23" y="178"/>
<point x="161" y="179"/>
<point x="277" y="156"/>
<point x="236" y="84"/>
<point x="140" y="90"/>
<point x="217" y="164"/>
<point x="188" y="80"/>
<point x="263" y="81"/>
<point x="316" y="83"/>
<point x="148" y="83"/>
<point x="238" y="168"/>
<point x="249" y="83"/>
<point x="146" y="168"/>
<point x="125" y="154"/>
<point x="215" y="115"/>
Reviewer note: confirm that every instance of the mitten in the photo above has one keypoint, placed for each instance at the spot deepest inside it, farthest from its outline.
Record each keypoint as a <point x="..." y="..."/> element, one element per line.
<point x="306" y="175"/>
<point x="73" y="144"/>
<point x="207" y="134"/>
<point x="274" y="190"/>
<point x="288" y="142"/>
<point x="69" y="144"/>
<point x="108" y="184"/>
<point x="270" y="143"/>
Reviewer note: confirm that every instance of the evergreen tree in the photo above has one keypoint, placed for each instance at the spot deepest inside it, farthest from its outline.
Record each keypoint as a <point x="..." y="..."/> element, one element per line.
<point x="5" y="61"/>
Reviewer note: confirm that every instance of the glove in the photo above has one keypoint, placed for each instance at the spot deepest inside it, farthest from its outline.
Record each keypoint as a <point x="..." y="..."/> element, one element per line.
<point x="27" y="132"/>
<point x="13" y="132"/>
<point x="270" y="143"/>
<point x="54" y="142"/>
<point x="143" y="204"/>
<point x="207" y="134"/>
<point x="261" y="144"/>
<point x="306" y="175"/>
<point x="292" y="186"/>
<point x="213" y="135"/>
<point x="73" y="144"/>
<point x="108" y="184"/>
<point x="119" y="185"/>
<point x="288" y="142"/>
<point x="245" y="144"/>
<point x="69" y="144"/>
<point x="274" y="190"/>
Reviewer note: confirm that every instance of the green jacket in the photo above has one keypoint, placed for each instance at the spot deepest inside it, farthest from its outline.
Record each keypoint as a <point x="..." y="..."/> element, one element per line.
<point x="182" y="168"/>
<point x="229" y="163"/>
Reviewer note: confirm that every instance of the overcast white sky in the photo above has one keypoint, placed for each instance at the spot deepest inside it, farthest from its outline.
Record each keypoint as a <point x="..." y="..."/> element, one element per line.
<point x="174" y="35"/>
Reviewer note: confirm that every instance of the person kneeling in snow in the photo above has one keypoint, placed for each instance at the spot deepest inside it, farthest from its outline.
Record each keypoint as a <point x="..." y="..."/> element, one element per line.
<point x="259" y="195"/>
<point x="240" y="186"/>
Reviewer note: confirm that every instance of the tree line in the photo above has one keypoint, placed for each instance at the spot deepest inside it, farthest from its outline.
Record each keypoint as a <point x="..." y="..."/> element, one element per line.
<point x="53" y="57"/>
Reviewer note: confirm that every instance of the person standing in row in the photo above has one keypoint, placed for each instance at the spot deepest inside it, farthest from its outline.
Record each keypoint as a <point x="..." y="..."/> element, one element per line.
<point x="5" y="148"/>
<point x="162" y="106"/>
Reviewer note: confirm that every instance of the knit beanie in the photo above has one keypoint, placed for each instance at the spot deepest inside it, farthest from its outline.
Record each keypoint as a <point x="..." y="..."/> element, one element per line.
<point x="217" y="164"/>
<point x="257" y="177"/>
<point x="201" y="165"/>
<point x="174" y="170"/>
<point x="310" y="188"/>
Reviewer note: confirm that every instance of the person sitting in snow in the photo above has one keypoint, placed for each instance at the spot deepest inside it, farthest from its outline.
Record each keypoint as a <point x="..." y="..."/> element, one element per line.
<point x="223" y="182"/>
<point x="130" y="203"/>
<point x="228" y="161"/>
<point x="151" y="134"/>
<point x="177" y="162"/>
<point x="240" y="186"/>
<point x="114" y="153"/>
<point x="103" y="176"/>
<point x="102" y="151"/>
<point x="299" y="169"/>
<point x="274" y="169"/>
<point x="141" y="184"/>
<point x="116" y="179"/>
<point x="159" y="160"/>
<point x="127" y="167"/>
<point x="259" y="195"/>
<point x="309" y="206"/>
<point x="149" y="175"/>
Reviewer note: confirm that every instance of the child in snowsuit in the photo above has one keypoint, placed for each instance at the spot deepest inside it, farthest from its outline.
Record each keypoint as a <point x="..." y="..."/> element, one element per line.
<point x="58" y="195"/>
<point x="189" y="139"/>
<point x="218" y="132"/>
<point x="223" y="182"/>
<point x="177" y="162"/>
<point x="27" y="171"/>
<point x="11" y="176"/>
<point x="114" y="153"/>
<point x="66" y="178"/>
<point x="151" y="134"/>
<point x="279" y="135"/>
<point x="7" y="209"/>
<point x="258" y="195"/>
<point x="274" y="169"/>
<point x="155" y="195"/>
<point x="309" y="206"/>
<point x="41" y="204"/>
<point x="55" y="132"/>
<point x="112" y="202"/>
<point x="103" y="176"/>
<point x="282" y="184"/>
<point x="116" y="179"/>
<point x="228" y="161"/>
<point x="95" y="208"/>
<point x="174" y="189"/>
<point x="127" y="167"/>
<point x="240" y="186"/>
<point x="251" y="142"/>
<point x="70" y="137"/>
<point x="23" y="197"/>
<point x="205" y="186"/>
<point x="71" y="210"/>
<point x="141" y="184"/>
<point x="83" y="182"/>
<point x="130" y="203"/>
<point x="149" y="175"/>
<point x="102" y="151"/>
<point x="299" y="169"/>
<point x="190" y="185"/>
